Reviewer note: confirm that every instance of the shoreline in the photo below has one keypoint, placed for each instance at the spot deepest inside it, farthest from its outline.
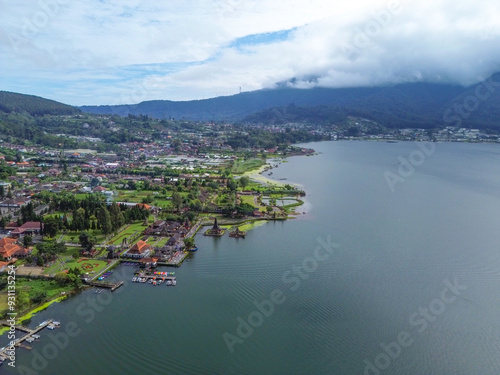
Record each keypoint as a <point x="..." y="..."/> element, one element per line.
<point x="31" y="313"/>
<point x="257" y="175"/>
<point x="246" y="224"/>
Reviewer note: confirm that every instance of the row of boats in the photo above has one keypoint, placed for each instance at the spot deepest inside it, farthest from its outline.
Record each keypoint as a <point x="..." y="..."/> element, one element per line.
<point x="104" y="275"/>
<point x="53" y="325"/>
<point x="157" y="281"/>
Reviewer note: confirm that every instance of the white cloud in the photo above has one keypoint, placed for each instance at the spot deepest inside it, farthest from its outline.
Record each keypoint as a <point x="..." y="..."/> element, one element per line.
<point x="109" y="48"/>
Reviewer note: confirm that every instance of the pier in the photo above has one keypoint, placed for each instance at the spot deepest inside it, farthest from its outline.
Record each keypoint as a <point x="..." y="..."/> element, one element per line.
<point x="101" y="284"/>
<point x="20" y="341"/>
<point x="155" y="277"/>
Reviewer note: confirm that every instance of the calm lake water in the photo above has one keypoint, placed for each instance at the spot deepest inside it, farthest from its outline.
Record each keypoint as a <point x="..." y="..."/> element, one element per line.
<point x="380" y="280"/>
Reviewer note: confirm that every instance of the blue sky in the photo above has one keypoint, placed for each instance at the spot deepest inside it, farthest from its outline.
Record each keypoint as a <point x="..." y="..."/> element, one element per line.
<point x="126" y="51"/>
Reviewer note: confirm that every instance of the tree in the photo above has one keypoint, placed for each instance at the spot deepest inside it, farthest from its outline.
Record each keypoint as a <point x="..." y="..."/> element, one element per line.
<point x="61" y="278"/>
<point x="231" y="184"/>
<point x="244" y="181"/>
<point x="117" y="219"/>
<point x="51" y="225"/>
<point x="87" y="240"/>
<point x="189" y="242"/>
<point x="79" y="220"/>
<point x="38" y="297"/>
<point x="245" y="208"/>
<point x="104" y="219"/>
<point x="27" y="240"/>
<point x="48" y="251"/>
<point x="177" y="200"/>
<point x="94" y="183"/>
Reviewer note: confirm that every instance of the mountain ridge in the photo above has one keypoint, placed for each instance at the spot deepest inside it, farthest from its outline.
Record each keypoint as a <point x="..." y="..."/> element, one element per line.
<point x="418" y="104"/>
<point x="34" y="105"/>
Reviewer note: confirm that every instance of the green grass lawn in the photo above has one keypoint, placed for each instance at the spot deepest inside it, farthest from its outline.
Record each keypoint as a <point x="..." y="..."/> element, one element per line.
<point x="250" y="200"/>
<point x="164" y="203"/>
<point x="241" y="167"/>
<point x="133" y="196"/>
<point x="162" y="242"/>
<point x="70" y="250"/>
<point x="73" y="236"/>
<point x="91" y="266"/>
<point x="127" y="232"/>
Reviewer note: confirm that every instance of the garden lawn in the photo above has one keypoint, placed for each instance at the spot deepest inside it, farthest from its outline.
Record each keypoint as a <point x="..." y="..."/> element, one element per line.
<point x="250" y="200"/>
<point x="127" y="232"/>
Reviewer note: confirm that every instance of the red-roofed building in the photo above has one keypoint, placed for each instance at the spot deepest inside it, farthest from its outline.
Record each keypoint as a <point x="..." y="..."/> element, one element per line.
<point x="10" y="226"/>
<point x="9" y="248"/>
<point x="30" y="227"/>
<point x="140" y="250"/>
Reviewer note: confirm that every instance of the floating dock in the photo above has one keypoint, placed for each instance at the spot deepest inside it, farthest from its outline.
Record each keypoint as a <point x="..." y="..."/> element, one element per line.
<point x="101" y="284"/>
<point x="28" y="333"/>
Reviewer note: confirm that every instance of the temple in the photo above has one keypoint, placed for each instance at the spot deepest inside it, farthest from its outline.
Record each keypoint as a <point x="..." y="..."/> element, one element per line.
<point x="215" y="231"/>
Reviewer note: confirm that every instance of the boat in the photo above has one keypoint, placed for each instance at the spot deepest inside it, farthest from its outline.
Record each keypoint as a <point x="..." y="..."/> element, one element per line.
<point x="174" y="282"/>
<point x="194" y="249"/>
<point x="51" y="326"/>
<point x="134" y="279"/>
<point x="169" y="282"/>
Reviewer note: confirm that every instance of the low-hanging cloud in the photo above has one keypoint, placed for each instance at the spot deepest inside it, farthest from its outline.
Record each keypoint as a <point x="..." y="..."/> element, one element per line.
<point x="91" y="52"/>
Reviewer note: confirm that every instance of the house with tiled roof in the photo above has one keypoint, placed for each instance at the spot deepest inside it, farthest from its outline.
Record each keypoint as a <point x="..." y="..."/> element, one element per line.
<point x="140" y="250"/>
<point x="9" y="249"/>
<point x="30" y="227"/>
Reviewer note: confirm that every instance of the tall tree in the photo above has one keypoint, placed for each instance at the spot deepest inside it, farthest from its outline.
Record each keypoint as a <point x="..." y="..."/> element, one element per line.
<point x="177" y="200"/>
<point x="87" y="240"/>
<point x="244" y="181"/>
<point x="117" y="219"/>
<point x="104" y="219"/>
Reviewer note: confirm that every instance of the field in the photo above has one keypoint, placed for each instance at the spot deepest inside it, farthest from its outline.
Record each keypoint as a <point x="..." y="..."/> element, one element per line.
<point x="241" y="167"/>
<point x="86" y="265"/>
<point x="73" y="237"/>
<point x="250" y="199"/>
<point x="33" y="287"/>
<point x="129" y="231"/>
<point x="133" y="196"/>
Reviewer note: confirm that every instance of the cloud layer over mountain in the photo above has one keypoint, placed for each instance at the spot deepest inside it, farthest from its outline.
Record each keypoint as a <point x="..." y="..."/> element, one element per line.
<point x="127" y="51"/>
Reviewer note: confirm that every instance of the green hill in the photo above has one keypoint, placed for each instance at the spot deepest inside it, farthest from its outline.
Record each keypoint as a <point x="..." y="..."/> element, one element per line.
<point x="33" y="105"/>
<point x="409" y="105"/>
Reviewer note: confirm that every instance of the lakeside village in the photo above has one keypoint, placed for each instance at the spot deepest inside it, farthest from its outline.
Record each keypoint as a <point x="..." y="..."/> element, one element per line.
<point x="67" y="218"/>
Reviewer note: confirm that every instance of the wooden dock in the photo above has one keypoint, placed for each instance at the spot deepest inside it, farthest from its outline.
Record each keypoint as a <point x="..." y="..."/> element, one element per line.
<point x="101" y="284"/>
<point x="29" y="333"/>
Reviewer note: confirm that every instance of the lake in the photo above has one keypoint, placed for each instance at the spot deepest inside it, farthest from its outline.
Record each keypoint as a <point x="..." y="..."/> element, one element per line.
<point x="393" y="269"/>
